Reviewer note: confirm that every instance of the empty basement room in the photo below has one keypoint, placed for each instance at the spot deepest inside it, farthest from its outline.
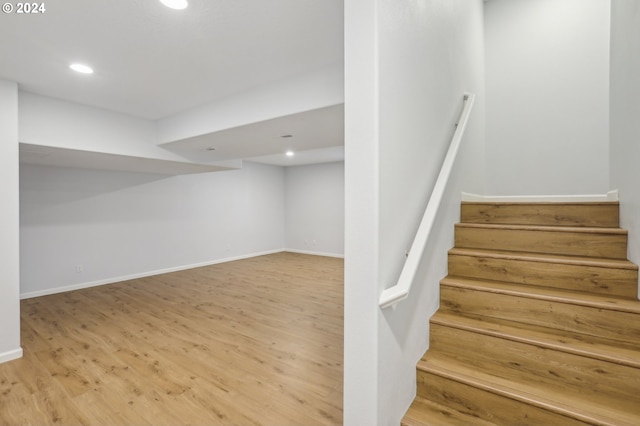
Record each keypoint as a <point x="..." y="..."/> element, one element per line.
<point x="174" y="230"/>
<point x="208" y="205"/>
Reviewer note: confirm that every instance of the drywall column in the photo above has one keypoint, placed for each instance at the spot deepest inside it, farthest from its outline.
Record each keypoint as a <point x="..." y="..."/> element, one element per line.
<point x="407" y="65"/>
<point x="9" y="224"/>
<point x="625" y="127"/>
<point x="361" y="311"/>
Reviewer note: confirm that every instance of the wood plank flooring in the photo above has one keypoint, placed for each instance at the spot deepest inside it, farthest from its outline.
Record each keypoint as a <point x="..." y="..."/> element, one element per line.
<point x="250" y="342"/>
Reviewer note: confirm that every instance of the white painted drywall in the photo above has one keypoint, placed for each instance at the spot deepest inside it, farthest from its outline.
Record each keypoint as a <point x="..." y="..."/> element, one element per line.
<point x="361" y="387"/>
<point x="314" y="208"/>
<point x="407" y="66"/>
<point x="547" y="77"/>
<point x="625" y="126"/>
<point x="321" y="88"/>
<point x="9" y="222"/>
<point x="53" y="122"/>
<point x="115" y="225"/>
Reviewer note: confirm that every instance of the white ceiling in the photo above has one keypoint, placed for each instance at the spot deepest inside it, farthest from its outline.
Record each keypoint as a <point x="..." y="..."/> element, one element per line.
<point x="266" y="141"/>
<point x="153" y="62"/>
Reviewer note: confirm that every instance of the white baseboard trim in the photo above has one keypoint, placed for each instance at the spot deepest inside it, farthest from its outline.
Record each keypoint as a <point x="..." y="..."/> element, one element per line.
<point x="80" y="286"/>
<point x="315" y="253"/>
<point x="608" y="197"/>
<point x="10" y="355"/>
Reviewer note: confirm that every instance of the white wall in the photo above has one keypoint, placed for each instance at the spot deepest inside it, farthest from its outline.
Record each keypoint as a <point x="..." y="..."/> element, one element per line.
<point x="407" y="66"/>
<point x="117" y="225"/>
<point x="53" y="122"/>
<point x="361" y="387"/>
<point x="9" y="236"/>
<point x="547" y="82"/>
<point x="625" y="126"/>
<point x="314" y="208"/>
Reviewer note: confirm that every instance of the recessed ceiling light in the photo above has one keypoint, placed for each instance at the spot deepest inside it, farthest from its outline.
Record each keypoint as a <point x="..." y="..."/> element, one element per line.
<point x="175" y="4"/>
<point x="81" y="68"/>
<point x="289" y="153"/>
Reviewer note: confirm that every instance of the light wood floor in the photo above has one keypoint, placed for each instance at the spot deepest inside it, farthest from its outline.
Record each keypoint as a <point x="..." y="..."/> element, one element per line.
<point x="250" y="342"/>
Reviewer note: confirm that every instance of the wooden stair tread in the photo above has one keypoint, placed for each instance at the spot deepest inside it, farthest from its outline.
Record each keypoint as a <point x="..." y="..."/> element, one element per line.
<point x="428" y="413"/>
<point x="566" y="240"/>
<point x="541" y="203"/>
<point x="615" y="351"/>
<point x="600" y="214"/>
<point x="547" y="258"/>
<point x="547" y="228"/>
<point x="539" y="396"/>
<point x="616" y="277"/>
<point x="592" y="300"/>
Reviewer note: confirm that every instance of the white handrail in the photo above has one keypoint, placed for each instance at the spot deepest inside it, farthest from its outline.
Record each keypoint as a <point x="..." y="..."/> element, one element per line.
<point x="401" y="289"/>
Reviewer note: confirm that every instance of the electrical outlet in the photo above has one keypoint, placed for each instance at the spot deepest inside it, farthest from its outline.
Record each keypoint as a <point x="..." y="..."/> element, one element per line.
<point x="79" y="269"/>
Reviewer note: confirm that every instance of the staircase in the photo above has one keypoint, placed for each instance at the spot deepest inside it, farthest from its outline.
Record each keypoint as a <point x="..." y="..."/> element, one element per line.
<point x="539" y="321"/>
